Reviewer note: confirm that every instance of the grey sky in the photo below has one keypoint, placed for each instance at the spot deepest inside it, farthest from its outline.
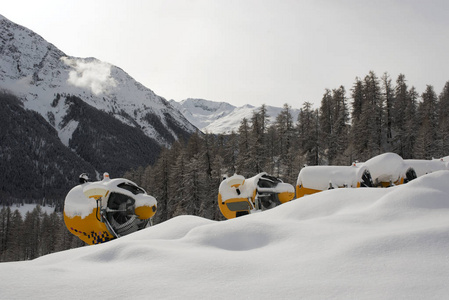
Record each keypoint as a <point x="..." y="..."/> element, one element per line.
<point x="249" y="51"/>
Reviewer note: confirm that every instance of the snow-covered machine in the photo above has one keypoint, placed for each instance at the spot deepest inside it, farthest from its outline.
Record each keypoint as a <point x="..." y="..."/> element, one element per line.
<point x="238" y="196"/>
<point x="389" y="169"/>
<point x="423" y="167"/>
<point x="100" y="211"/>
<point x="313" y="179"/>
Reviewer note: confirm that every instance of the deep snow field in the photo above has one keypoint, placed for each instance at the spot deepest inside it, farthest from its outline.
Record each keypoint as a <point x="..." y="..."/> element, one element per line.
<point x="362" y="243"/>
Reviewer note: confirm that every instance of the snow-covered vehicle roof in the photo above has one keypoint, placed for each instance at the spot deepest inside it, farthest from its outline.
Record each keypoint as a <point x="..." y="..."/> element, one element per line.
<point x="423" y="167"/>
<point x="239" y="196"/>
<point x="387" y="167"/>
<point x="81" y="203"/>
<point x="97" y="212"/>
<point x="323" y="177"/>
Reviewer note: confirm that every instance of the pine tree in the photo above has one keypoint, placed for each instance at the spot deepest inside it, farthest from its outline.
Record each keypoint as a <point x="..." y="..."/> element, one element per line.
<point x="408" y="137"/>
<point x="327" y="134"/>
<point x="161" y="185"/>
<point x="401" y="103"/>
<point x="5" y="228"/>
<point x="367" y="119"/>
<point x="193" y="180"/>
<point x="177" y="185"/>
<point x="357" y="97"/>
<point x="426" y="141"/>
<point x="340" y="133"/>
<point x="358" y="135"/>
<point x="257" y="155"/>
<point x="14" y="251"/>
<point x="231" y="150"/>
<point x="308" y="130"/>
<point x="372" y="113"/>
<point x="243" y="159"/>
<point x="272" y="151"/>
<point x="285" y="132"/>
<point x="443" y="116"/>
<point x="388" y="94"/>
<point x="211" y="179"/>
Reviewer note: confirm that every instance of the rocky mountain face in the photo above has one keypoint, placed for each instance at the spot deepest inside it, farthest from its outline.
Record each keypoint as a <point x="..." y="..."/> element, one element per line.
<point x="63" y="115"/>
<point x="221" y="117"/>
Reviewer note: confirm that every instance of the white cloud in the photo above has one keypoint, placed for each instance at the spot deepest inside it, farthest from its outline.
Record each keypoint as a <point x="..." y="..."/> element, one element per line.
<point x="90" y="73"/>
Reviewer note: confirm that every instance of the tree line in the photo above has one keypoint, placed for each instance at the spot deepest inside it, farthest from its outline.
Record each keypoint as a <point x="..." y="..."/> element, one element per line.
<point x="376" y="116"/>
<point x="35" y="234"/>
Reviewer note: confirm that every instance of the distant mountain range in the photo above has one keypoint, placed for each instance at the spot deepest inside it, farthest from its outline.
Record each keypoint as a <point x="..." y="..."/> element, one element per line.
<point x="63" y="115"/>
<point x="221" y="117"/>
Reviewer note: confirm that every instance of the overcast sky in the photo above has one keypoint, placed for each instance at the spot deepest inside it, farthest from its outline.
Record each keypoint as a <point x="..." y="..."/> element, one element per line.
<point x="249" y="51"/>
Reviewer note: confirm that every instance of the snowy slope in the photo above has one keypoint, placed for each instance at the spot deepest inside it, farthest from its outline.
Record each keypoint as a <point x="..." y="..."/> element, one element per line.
<point x="338" y="244"/>
<point x="37" y="71"/>
<point x="222" y="117"/>
<point x="201" y="112"/>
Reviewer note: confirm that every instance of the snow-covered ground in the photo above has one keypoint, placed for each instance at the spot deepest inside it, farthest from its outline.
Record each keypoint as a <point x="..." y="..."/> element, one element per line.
<point x="339" y="244"/>
<point x="24" y="208"/>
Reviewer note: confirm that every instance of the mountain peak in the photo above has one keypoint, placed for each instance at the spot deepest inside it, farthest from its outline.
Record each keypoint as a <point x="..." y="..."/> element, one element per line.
<point x="207" y="105"/>
<point x="36" y="71"/>
<point x="73" y="115"/>
<point x="221" y="117"/>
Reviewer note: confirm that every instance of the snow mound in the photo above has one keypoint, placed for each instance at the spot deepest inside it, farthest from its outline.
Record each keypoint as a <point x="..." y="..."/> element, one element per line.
<point x="364" y="243"/>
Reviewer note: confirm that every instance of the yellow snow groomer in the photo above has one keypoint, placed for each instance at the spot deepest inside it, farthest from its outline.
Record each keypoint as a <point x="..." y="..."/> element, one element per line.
<point x="238" y="196"/>
<point x="100" y="211"/>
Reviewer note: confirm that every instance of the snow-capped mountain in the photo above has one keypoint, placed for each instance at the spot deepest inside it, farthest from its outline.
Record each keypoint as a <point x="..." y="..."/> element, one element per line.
<point x="36" y="71"/>
<point x="63" y="115"/>
<point x="202" y="113"/>
<point x="221" y="117"/>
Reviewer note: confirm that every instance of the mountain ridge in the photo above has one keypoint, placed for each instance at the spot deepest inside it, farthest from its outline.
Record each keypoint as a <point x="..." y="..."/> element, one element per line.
<point x="222" y="117"/>
<point x="76" y="115"/>
<point x="36" y="70"/>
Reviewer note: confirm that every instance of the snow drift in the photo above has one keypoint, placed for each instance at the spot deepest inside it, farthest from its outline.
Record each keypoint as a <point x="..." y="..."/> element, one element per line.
<point x="342" y="243"/>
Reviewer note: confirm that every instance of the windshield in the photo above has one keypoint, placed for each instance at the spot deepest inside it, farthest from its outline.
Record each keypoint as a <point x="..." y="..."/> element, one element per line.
<point x="132" y="188"/>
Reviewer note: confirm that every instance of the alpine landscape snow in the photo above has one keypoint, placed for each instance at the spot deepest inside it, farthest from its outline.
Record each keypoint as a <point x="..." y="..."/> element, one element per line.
<point x="73" y="109"/>
<point x="221" y="117"/>
<point x="346" y="241"/>
<point x="339" y="244"/>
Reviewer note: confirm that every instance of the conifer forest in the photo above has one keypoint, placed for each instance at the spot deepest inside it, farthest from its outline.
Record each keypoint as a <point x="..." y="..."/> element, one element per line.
<point x="374" y="116"/>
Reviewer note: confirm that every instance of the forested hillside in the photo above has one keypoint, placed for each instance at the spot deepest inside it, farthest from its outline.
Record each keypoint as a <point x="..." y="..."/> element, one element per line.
<point x="38" y="168"/>
<point x="34" y="164"/>
<point x="377" y="115"/>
